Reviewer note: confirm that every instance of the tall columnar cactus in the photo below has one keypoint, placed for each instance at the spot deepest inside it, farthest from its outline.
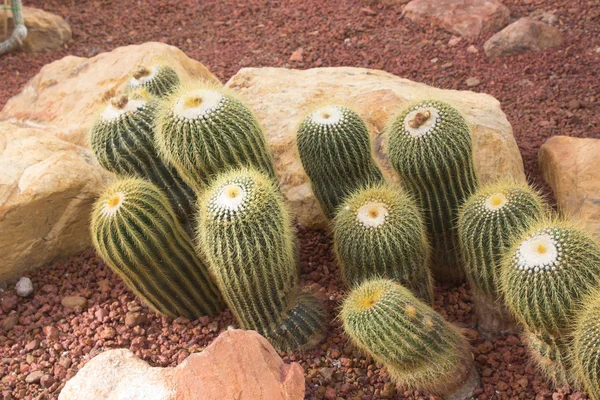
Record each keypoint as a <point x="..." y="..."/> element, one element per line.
<point x="135" y="231"/>
<point x="246" y="234"/>
<point x="430" y="148"/>
<point x="160" y="80"/>
<point x="487" y="222"/>
<point x="545" y="275"/>
<point x="335" y="150"/>
<point x="417" y="346"/>
<point x="204" y="130"/>
<point x="379" y="232"/>
<point x="586" y="349"/>
<point x="122" y="138"/>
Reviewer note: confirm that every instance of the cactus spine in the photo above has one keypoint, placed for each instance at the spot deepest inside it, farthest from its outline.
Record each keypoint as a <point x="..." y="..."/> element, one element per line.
<point x="487" y="222"/>
<point x="586" y="349"/>
<point x="246" y="233"/>
<point x="379" y="232"/>
<point x="430" y="149"/>
<point x="335" y="151"/>
<point x="135" y="231"/>
<point x="417" y="346"/>
<point x="122" y="139"/>
<point x="158" y="80"/>
<point x="202" y="131"/>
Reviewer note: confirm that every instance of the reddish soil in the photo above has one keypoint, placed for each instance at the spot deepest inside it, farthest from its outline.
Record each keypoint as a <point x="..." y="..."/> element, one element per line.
<point x="556" y="92"/>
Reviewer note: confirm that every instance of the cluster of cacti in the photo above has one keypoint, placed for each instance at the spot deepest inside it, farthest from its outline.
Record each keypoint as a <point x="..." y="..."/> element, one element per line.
<point x="136" y="232"/>
<point x="586" y="345"/>
<point x="245" y="231"/>
<point x="335" y="151"/>
<point x="379" y="233"/>
<point x="417" y="346"/>
<point x="430" y="149"/>
<point x="204" y="130"/>
<point x="122" y="138"/>
<point x="546" y="274"/>
<point x="160" y="80"/>
<point x="487" y="223"/>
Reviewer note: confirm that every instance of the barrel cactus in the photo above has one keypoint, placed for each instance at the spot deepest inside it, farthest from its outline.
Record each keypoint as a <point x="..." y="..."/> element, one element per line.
<point x="160" y="80"/>
<point x="487" y="222"/>
<point x="379" y="232"/>
<point x="246" y="233"/>
<point x="136" y="232"/>
<point x="418" y="347"/>
<point x="586" y="345"/>
<point x="204" y="130"/>
<point x="122" y="139"/>
<point x="430" y="148"/>
<point x="335" y="151"/>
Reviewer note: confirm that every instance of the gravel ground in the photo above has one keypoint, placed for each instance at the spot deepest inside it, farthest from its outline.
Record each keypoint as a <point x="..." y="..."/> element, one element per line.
<point x="544" y="94"/>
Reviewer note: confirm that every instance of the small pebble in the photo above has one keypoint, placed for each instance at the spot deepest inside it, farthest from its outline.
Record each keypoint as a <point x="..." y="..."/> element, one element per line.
<point x="24" y="287"/>
<point x="34" y="377"/>
<point x="74" y="301"/>
<point x="472" y="82"/>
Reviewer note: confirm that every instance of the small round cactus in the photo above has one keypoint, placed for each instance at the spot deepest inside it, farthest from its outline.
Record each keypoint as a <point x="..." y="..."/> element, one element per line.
<point x="379" y="233"/>
<point x="204" y="130"/>
<point x="430" y="149"/>
<point x="417" y="346"/>
<point x="122" y="139"/>
<point x="246" y="233"/>
<point x="586" y="345"/>
<point x="487" y="222"/>
<point x="135" y="231"/>
<point x="160" y="80"/>
<point x="335" y="151"/>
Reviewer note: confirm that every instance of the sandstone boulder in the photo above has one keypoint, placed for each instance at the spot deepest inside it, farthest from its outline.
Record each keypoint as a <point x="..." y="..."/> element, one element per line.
<point x="571" y="167"/>
<point x="47" y="187"/>
<point x="464" y="17"/>
<point x="45" y="31"/>
<point x="524" y="35"/>
<point x="66" y="96"/>
<point x="282" y="97"/>
<point x="237" y="365"/>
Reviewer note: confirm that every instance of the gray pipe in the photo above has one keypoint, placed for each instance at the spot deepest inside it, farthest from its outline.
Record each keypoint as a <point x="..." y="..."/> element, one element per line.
<point x="19" y="33"/>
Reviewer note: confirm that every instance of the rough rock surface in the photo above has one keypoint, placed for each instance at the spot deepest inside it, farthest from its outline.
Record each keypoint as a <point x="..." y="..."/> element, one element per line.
<point x="571" y="167"/>
<point x="281" y="98"/>
<point x="45" y="31"/>
<point x="47" y="187"/>
<point x="464" y="17"/>
<point x="237" y="365"/>
<point x="524" y="35"/>
<point x="66" y="96"/>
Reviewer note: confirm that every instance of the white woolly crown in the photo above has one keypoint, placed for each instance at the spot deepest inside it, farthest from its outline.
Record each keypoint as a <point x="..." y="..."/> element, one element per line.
<point x="327" y="115"/>
<point x="372" y="214"/>
<point x="198" y="103"/>
<point x="427" y="126"/>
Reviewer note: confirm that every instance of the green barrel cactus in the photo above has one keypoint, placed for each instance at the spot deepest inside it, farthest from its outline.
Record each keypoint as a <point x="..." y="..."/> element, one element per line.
<point x="160" y="80"/>
<point x="487" y="222"/>
<point x="379" y="233"/>
<point x="586" y="345"/>
<point x="246" y="233"/>
<point x="335" y="151"/>
<point x="546" y="273"/>
<point x="551" y="355"/>
<point x="122" y="139"/>
<point x="430" y="149"/>
<point x="418" y="347"/>
<point x="204" y="130"/>
<point x="135" y="231"/>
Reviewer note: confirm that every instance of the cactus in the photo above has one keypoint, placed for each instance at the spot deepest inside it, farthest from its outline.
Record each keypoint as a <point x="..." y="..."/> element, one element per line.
<point x="335" y="151"/>
<point x="379" y="232"/>
<point x="586" y="345"/>
<point x="160" y="80"/>
<point x="122" y="138"/>
<point x="430" y="149"/>
<point x="551" y="356"/>
<point x="246" y="233"/>
<point x="204" y="130"/>
<point x="418" y="347"/>
<point x="135" y="231"/>
<point x="487" y="222"/>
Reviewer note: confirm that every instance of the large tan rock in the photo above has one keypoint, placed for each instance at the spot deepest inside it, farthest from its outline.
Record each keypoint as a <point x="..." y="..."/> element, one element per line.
<point x="237" y="365"/>
<point x="66" y="96"/>
<point x="571" y="167"/>
<point x="524" y="35"/>
<point x="45" y="31"/>
<point x="47" y="187"/>
<point x="281" y="97"/>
